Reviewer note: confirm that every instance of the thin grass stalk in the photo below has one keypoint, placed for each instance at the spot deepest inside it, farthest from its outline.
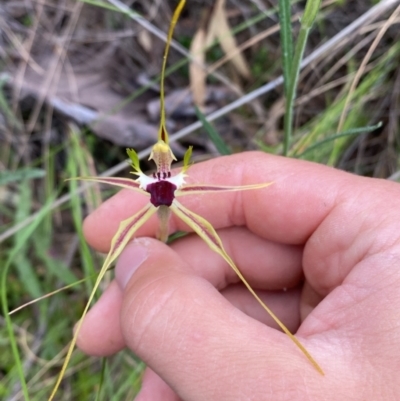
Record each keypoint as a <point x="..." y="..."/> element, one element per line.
<point x="26" y="234"/>
<point x="213" y="134"/>
<point x="307" y="22"/>
<point x="76" y="210"/>
<point x="291" y="93"/>
<point x="286" y="42"/>
<point x="102" y="376"/>
<point x="350" y="132"/>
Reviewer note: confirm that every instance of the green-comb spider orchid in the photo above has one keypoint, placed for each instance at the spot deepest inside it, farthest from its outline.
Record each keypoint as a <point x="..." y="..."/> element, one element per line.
<point x="163" y="188"/>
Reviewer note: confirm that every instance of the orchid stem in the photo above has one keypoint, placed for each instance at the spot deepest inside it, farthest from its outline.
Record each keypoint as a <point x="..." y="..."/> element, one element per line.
<point x="163" y="214"/>
<point x="162" y="133"/>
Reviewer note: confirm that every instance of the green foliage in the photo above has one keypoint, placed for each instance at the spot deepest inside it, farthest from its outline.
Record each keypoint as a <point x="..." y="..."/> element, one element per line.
<point x="292" y="63"/>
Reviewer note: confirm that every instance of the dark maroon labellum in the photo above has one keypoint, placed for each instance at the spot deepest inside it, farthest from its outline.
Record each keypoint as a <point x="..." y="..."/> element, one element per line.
<point x="161" y="193"/>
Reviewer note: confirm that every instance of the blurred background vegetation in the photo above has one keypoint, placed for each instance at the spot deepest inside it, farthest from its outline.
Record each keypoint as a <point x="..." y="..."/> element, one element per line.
<point x="79" y="82"/>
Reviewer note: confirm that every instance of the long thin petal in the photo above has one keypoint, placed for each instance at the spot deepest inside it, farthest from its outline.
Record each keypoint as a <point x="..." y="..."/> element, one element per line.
<point x="125" y="232"/>
<point x="116" y="181"/>
<point x="191" y="189"/>
<point x="207" y="232"/>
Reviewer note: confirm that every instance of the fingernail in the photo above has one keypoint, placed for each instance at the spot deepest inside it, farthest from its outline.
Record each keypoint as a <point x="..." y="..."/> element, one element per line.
<point x="130" y="260"/>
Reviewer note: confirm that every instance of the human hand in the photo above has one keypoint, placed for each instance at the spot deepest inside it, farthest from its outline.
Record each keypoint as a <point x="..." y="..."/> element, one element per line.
<point x="185" y="313"/>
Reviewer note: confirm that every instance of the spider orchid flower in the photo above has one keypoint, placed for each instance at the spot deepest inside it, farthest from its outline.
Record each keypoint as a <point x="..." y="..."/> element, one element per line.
<point x="163" y="188"/>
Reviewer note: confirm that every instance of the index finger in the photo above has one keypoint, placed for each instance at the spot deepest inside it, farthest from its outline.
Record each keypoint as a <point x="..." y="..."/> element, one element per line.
<point x="288" y="211"/>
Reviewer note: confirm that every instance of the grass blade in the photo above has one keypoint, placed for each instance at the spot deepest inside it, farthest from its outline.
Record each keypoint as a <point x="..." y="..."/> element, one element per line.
<point x="307" y="22"/>
<point x="212" y="133"/>
<point x="350" y="132"/>
<point x="286" y="42"/>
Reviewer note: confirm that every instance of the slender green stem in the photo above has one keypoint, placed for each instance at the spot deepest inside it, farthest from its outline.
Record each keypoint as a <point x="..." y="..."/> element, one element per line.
<point x="307" y="21"/>
<point x="162" y="133"/>
<point x="11" y="336"/>
<point x="291" y="94"/>
<point x="286" y="41"/>
<point x="102" y="376"/>
<point x="75" y="160"/>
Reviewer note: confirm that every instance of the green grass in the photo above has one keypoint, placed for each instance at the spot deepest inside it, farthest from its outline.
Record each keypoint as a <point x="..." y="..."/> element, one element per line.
<point x="51" y="252"/>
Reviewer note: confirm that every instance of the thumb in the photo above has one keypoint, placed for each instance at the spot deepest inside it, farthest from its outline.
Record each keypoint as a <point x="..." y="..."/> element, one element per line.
<point x="193" y="338"/>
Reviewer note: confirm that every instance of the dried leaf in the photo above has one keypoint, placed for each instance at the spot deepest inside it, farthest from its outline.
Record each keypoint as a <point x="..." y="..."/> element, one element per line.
<point x="144" y="39"/>
<point x="219" y="28"/>
<point x="197" y="74"/>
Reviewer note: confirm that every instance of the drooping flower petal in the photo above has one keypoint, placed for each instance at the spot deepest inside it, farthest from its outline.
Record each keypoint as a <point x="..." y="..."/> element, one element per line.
<point x="192" y="189"/>
<point x="125" y="232"/>
<point x="127" y="183"/>
<point x="207" y="232"/>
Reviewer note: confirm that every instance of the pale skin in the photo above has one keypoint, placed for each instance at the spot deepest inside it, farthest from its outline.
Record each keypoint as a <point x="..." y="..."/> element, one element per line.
<point x="184" y="312"/>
